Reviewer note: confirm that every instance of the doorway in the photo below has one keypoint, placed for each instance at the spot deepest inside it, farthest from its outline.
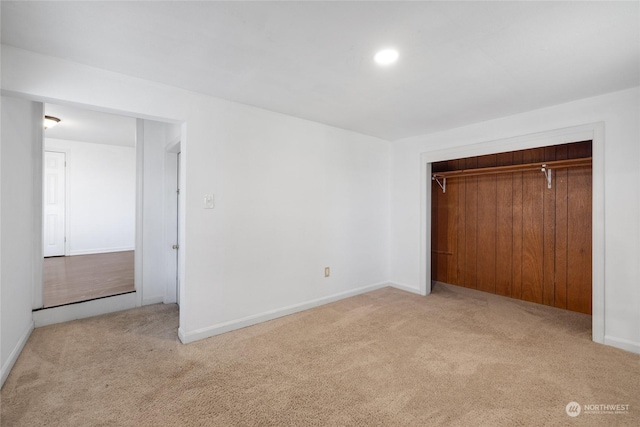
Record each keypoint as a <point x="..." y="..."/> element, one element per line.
<point x="89" y="212"/>
<point x="591" y="131"/>
<point x="516" y="224"/>
<point x="149" y="224"/>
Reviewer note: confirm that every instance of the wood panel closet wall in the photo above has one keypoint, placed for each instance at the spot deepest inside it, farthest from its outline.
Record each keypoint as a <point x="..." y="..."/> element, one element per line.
<point x="510" y="235"/>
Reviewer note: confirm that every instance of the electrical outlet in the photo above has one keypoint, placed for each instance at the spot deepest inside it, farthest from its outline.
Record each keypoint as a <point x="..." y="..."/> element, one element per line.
<point x="327" y="272"/>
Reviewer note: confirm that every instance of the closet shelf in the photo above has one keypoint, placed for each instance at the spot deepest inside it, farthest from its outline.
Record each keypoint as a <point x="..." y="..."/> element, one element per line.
<point x="441" y="177"/>
<point x="555" y="164"/>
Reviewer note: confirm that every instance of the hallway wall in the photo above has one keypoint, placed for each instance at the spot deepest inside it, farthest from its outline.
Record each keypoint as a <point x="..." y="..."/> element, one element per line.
<point x="20" y="155"/>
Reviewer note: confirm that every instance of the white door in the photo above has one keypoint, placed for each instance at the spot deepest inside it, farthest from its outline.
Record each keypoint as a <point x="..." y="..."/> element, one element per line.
<point x="54" y="203"/>
<point x="172" y="195"/>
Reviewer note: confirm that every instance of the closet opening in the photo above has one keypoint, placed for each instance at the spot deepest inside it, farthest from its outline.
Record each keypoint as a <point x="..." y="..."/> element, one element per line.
<point x="516" y="224"/>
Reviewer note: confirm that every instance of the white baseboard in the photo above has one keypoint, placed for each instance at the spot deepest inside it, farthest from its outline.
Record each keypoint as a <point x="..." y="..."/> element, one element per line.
<point x="154" y="300"/>
<point x="220" y="328"/>
<point x="631" y="346"/>
<point x="100" y="251"/>
<point x="169" y="299"/>
<point x="404" y="287"/>
<point x="13" y="357"/>
<point x="81" y="310"/>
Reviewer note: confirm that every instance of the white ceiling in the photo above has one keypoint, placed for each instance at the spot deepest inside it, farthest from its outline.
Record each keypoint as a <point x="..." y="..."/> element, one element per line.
<point x="460" y="62"/>
<point x="90" y="126"/>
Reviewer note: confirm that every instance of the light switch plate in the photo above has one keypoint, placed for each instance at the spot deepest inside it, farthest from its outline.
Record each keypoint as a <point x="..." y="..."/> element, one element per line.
<point x="208" y="201"/>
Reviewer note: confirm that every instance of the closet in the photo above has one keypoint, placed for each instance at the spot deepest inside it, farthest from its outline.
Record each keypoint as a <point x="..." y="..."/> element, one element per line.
<point x="516" y="224"/>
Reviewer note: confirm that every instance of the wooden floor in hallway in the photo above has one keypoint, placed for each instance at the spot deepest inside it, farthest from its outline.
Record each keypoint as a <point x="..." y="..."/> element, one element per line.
<point x="77" y="278"/>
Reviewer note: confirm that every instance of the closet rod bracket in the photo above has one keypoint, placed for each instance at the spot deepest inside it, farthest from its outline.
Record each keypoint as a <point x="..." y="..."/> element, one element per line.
<point x="547" y="173"/>
<point x="442" y="184"/>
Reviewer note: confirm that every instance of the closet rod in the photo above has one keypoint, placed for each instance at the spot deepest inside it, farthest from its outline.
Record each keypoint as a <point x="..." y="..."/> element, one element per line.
<point x="554" y="164"/>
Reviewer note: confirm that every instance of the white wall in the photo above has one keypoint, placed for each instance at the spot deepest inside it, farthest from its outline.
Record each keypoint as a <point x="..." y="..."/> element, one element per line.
<point x="154" y="248"/>
<point x="292" y="196"/>
<point x="20" y="151"/>
<point x="100" y="196"/>
<point x="619" y="112"/>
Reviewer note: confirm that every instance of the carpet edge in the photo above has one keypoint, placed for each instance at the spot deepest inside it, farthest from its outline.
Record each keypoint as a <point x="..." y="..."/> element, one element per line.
<point x="15" y="353"/>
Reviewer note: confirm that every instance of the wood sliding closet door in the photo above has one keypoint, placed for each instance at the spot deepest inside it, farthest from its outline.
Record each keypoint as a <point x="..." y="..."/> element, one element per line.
<point x="510" y="235"/>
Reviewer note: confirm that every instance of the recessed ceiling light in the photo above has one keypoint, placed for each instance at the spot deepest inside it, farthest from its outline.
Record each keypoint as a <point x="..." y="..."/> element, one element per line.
<point x="386" y="56"/>
<point x="50" y="121"/>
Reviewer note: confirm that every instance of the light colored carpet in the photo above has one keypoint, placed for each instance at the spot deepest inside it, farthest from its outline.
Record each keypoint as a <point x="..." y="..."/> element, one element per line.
<point x="385" y="358"/>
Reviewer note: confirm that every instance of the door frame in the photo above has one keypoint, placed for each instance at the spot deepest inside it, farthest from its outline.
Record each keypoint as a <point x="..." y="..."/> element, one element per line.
<point x="43" y="317"/>
<point x="172" y="219"/>
<point x="593" y="132"/>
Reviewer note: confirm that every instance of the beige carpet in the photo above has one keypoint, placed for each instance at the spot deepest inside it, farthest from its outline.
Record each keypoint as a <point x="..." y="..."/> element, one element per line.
<point x="386" y="358"/>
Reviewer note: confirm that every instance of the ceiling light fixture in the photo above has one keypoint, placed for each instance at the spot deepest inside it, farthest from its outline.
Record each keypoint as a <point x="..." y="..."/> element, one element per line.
<point x="386" y="56"/>
<point x="50" y="121"/>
